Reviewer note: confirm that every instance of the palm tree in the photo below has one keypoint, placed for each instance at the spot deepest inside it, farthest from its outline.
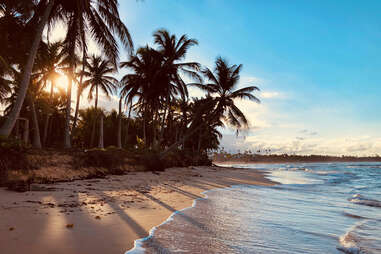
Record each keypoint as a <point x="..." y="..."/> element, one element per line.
<point x="219" y="102"/>
<point x="79" y="89"/>
<point x="35" y="27"/>
<point x="174" y="52"/>
<point x="98" y="74"/>
<point x="50" y="62"/>
<point x="221" y="87"/>
<point x="156" y="77"/>
<point x="99" y="18"/>
<point x="145" y="81"/>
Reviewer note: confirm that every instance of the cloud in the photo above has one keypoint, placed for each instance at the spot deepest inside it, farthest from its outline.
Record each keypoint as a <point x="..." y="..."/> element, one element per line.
<point x="270" y="95"/>
<point x="358" y="146"/>
<point x="251" y="80"/>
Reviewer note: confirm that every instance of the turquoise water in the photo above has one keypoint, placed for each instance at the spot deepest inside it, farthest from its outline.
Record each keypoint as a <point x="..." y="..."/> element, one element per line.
<point x="317" y="208"/>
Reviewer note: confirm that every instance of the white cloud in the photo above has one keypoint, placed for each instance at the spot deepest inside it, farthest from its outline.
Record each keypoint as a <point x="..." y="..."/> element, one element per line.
<point x="270" y="95"/>
<point x="358" y="146"/>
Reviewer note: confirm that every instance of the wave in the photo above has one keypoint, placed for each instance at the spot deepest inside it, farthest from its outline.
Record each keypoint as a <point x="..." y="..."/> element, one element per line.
<point x="349" y="241"/>
<point x="359" y="199"/>
<point x="139" y="243"/>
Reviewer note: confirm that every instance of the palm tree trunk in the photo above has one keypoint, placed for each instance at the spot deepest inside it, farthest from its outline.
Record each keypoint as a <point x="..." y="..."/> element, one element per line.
<point x="161" y="135"/>
<point x="67" y="141"/>
<point x="79" y="91"/>
<point x="10" y="121"/>
<point x="100" y="142"/>
<point x="36" y="129"/>
<point x="119" y="137"/>
<point x="128" y="124"/>
<point x="95" y="118"/>
<point x="153" y="129"/>
<point x="144" y="126"/>
<point x="46" y="126"/>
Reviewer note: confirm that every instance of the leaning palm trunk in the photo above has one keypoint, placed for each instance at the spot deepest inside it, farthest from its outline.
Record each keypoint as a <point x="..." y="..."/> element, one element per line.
<point x="10" y="121"/>
<point x="100" y="141"/>
<point x="119" y="137"/>
<point x="36" y="130"/>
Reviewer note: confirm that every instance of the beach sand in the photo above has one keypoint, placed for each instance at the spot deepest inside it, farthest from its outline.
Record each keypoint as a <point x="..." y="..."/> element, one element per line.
<point x="105" y="215"/>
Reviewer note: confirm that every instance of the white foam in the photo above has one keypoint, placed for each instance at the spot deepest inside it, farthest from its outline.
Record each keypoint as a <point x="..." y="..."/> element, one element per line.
<point x="138" y="244"/>
<point x="348" y="241"/>
<point x="359" y="199"/>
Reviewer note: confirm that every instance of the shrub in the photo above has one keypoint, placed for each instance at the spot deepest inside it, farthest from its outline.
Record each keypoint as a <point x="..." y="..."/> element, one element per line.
<point x="152" y="162"/>
<point x="12" y="157"/>
<point x="112" y="159"/>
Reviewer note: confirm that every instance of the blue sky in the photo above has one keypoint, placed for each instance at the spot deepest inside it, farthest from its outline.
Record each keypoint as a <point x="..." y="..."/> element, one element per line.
<point x="317" y="63"/>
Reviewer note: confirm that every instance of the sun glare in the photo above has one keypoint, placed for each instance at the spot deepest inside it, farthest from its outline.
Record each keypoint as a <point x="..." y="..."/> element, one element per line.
<point x="62" y="81"/>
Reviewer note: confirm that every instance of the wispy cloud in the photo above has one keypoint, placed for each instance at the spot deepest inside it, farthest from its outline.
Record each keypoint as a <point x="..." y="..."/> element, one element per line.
<point x="359" y="146"/>
<point x="270" y="95"/>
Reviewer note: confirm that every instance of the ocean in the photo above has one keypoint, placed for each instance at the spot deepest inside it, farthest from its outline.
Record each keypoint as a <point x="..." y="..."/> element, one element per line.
<point x="316" y="208"/>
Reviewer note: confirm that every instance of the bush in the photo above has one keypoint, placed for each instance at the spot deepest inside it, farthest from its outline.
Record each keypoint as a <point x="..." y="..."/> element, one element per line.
<point x="13" y="156"/>
<point x="152" y="162"/>
<point x="111" y="159"/>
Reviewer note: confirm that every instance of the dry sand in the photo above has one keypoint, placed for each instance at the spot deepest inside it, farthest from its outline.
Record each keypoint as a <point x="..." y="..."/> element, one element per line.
<point x="105" y="215"/>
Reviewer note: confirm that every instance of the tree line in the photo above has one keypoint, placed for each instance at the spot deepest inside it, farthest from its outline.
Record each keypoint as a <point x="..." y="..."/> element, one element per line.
<point x="155" y="109"/>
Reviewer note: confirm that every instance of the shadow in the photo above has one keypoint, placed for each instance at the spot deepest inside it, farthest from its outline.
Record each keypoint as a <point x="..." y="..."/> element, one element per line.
<point x="139" y="230"/>
<point x="179" y="213"/>
<point x="208" y="184"/>
<point x="185" y="193"/>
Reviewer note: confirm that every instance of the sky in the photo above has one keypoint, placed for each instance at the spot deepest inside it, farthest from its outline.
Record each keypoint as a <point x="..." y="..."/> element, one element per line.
<point x="317" y="63"/>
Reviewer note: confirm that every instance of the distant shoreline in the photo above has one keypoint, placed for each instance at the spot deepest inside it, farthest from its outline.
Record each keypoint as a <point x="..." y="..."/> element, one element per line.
<point x="269" y="159"/>
<point x="280" y="162"/>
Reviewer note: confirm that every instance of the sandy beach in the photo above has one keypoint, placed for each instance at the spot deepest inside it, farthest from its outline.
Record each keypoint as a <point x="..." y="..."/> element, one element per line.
<point x="105" y="215"/>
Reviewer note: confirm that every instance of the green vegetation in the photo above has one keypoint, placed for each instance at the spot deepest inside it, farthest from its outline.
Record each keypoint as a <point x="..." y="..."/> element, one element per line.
<point x="157" y="124"/>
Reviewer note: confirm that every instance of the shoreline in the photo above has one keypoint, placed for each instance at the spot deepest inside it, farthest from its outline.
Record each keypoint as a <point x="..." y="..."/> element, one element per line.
<point x="106" y="215"/>
<point x="232" y="163"/>
<point x="138" y="242"/>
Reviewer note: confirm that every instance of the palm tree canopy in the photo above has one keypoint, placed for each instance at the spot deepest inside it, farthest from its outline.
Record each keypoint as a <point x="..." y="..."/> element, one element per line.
<point x="98" y="73"/>
<point x="157" y="72"/>
<point x="98" y="18"/>
<point x="222" y="83"/>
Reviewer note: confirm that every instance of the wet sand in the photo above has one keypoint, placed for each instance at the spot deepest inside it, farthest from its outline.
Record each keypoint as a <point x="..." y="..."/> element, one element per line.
<point x="105" y="215"/>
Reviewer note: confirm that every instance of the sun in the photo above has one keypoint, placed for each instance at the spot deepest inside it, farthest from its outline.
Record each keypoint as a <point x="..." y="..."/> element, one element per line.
<point x="62" y="81"/>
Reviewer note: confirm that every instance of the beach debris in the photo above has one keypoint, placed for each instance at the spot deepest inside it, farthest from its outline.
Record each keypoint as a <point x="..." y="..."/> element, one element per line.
<point x="11" y="228"/>
<point x="69" y="225"/>
<point x="97" y="217"/>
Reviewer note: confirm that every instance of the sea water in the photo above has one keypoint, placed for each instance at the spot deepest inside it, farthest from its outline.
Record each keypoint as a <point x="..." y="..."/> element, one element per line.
<point x="316" y="208"/>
